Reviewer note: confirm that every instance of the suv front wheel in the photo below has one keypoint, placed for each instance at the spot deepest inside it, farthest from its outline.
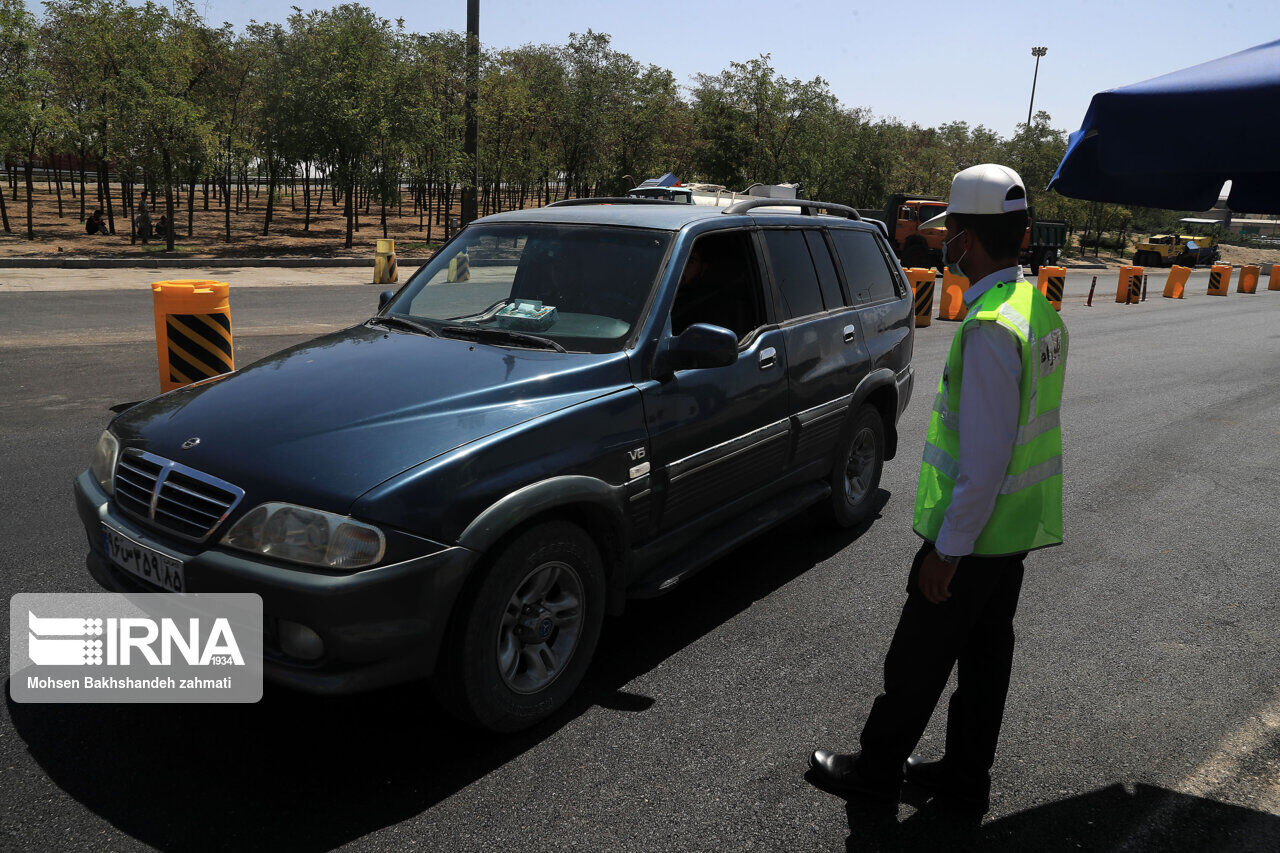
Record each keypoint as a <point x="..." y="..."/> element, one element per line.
<point x="856" y="473"/>
<point x="522" y="640"/>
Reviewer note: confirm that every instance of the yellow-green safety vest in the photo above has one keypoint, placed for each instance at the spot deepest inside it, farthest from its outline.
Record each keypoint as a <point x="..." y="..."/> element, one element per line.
<point x="1028" y="510"/>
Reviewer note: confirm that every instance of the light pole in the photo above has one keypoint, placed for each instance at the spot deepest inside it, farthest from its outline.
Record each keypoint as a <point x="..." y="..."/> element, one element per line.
<point x="472" y="170"/>
<point x="1037" y="52"/>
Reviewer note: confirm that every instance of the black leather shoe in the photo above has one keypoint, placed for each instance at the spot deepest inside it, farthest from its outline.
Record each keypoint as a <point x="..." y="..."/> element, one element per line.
<point x="936" y="779"/>
<point x="837" y="773"/>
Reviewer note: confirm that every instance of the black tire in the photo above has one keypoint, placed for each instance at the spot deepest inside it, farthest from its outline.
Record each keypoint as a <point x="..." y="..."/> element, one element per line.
<point x="468" y="682"/>
<point x="848" y="507"/>
<point x="916" y="254"/>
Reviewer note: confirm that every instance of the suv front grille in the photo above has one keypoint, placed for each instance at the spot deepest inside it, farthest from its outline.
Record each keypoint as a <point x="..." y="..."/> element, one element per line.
<point x="171" y="496"/>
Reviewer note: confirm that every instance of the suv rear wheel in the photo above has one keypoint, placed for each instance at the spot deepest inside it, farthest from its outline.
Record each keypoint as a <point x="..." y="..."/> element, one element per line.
<point x="856" y="474"/>
<point x="522" y="640"/>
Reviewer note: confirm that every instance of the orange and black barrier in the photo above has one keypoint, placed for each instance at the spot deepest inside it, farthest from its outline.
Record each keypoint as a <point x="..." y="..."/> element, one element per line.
<point x="1129" y="286"/>
<point x="1175" y="285"/>
<point x="951" y="303"/>
<point x="1274" y="281"/>
<point x="1219" y="279"/>
<point x="385" y="270"/>
<point x="1052" y="282"/>
<point x="193" y="331"/>
<point x="922" y="286"/>
<point x="1249" y="276"/>
<point x="460" y="268"/>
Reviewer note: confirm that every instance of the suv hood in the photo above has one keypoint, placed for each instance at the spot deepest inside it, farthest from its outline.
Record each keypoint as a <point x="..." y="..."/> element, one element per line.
<point x="323" y="422"/>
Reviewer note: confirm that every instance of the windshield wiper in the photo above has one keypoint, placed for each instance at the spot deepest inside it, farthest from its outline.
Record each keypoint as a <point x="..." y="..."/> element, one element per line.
<point x="405" y="322"/>
<point x="507" y="335"/>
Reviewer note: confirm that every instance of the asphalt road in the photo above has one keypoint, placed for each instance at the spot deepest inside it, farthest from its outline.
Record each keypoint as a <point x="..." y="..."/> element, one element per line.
<point x="1144" y="712"/>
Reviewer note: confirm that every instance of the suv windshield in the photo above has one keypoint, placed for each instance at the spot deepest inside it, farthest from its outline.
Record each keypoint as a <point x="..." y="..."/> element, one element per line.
<point x="581" y="286"/>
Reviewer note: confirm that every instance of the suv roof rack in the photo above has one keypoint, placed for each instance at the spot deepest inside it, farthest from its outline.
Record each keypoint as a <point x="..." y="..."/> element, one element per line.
<point x="808" y="206"/>
<point x="575" y="202"/>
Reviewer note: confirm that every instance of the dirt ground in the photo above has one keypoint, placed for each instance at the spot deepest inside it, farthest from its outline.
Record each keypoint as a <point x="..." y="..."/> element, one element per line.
<point x="65" y="234"/>
<point x="1237" y="256"/>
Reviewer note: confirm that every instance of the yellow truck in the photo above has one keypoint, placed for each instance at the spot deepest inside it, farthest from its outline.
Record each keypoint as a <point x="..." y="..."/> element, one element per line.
<point x="1165" y="250"/>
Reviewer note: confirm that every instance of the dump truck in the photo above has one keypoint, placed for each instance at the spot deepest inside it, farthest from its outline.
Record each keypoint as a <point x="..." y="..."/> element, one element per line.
<point x="922" y="247"/>
<point x="902" y="215"/>
<point x="1045" y="240"/>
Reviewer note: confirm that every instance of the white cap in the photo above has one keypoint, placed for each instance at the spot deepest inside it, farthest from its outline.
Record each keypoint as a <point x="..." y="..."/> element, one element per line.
<point x="985" y="189"/>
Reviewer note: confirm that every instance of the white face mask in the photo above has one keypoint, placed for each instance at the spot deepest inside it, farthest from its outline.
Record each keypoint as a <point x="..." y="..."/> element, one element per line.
<point x="953" y="266"/>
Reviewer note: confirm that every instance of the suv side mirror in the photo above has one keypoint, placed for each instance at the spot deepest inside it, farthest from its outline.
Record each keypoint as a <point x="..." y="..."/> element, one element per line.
<point x="700" y="345"/>
<point x="384" y="297"/>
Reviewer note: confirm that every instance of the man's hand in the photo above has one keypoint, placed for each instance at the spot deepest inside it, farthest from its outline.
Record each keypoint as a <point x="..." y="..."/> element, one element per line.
<point x="934" y="579"/>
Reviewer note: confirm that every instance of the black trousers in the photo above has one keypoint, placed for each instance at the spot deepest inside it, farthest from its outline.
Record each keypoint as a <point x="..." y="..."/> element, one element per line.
<point x="972" y="629"/>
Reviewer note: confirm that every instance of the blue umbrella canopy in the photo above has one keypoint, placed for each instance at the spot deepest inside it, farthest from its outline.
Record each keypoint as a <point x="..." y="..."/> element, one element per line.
<point x="1173" y="141"/>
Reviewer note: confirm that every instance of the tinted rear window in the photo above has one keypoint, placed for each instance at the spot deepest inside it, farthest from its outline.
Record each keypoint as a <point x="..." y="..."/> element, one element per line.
<point x="793" y="273"/>
<point x="865" y="269"/>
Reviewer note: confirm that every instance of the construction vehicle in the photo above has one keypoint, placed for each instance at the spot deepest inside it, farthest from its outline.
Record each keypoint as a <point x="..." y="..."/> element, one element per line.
<point x="1165" y="250"/>
<point x="1045" y="240"/>
<point x="902" y="215"/>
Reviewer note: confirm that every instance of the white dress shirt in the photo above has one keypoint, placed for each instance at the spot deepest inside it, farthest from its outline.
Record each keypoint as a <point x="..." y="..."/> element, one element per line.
<point x="989" y="402"/>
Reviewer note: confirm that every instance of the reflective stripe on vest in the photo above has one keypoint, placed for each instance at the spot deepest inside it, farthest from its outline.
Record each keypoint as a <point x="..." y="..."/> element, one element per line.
<point x="1028" y="509"/>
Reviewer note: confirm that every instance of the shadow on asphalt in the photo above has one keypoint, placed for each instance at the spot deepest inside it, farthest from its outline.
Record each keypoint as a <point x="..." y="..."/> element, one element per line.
<point x="303" y="773"/>
<point x="1118" y="817"/>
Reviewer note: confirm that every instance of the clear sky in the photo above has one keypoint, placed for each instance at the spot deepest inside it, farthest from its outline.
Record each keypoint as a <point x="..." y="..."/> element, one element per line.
<point x="923" y="62"/>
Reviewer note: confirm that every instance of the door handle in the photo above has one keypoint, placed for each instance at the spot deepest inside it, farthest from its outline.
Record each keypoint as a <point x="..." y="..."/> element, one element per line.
<point x="768" y="358"/>
<point x="848" y="334"/>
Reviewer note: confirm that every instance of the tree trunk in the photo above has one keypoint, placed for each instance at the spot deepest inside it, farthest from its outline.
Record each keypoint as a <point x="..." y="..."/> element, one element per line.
<point x="306" y="197"/>
<point x="226" y="205"/>
<point x="348" y="210"/>
<point x="168" y="202"/>
<point x="4" y="215"/>
<point x="27" y="169"/>
<point x="57" y="181"/>
<point x="383" y="205"/>
<point x="191" y="205"/>
<point x="271" y="195"/>
<point x="104" y="186"/>
<point x="206" y="193"/>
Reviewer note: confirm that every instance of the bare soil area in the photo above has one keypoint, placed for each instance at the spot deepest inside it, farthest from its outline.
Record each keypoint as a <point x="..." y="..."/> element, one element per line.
<point x="415" y="236"/>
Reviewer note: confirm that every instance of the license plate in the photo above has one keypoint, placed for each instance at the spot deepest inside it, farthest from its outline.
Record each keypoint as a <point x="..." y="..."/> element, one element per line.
<point x="147" y="563"/>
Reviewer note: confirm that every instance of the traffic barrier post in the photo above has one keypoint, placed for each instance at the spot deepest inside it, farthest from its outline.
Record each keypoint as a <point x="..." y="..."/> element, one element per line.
<point x="922" y="287"/>
<point x="1219" y="279"/>
<point x="1175" y="286"/>
<point x="1129" y="285"/>
<point x="1274" y="280"/>
<point x="384" y="263"/>
<point x="1089" y="302"/>
<point x="460" y="268"/>
<point x="1249" y="276"/>
<point x="1052" y="282"/>
<point x="951" y="305"/>
<point x="193" y="331"/>
<point x="1144" y="287"/>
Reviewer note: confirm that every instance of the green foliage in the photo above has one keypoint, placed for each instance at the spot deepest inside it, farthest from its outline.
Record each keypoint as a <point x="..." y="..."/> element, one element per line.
<point x="161" y="97"/>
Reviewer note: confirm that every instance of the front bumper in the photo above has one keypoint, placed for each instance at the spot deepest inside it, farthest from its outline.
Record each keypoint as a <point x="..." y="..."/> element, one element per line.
<point x="380" y="626"/>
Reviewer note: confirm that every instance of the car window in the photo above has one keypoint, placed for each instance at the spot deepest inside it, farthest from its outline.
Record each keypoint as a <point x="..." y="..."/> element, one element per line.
<point x="865" y="269"/>
<point x="720" y="285"/>
<point x="793" y="273"/>
<point x="827" y="278"/>
<point x="584" y="286"/>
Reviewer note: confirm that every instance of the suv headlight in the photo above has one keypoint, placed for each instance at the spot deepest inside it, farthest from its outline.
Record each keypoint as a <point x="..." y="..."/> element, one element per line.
<point x="103" y="466"/>
<point x="307" y="536"/>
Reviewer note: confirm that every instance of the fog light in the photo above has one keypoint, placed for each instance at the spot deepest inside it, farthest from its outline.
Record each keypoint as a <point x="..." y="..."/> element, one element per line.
<point x="299" y="641"/>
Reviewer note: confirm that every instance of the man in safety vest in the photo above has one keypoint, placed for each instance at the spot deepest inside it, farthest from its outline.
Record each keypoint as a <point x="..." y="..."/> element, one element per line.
<point x="990" y="490"/>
